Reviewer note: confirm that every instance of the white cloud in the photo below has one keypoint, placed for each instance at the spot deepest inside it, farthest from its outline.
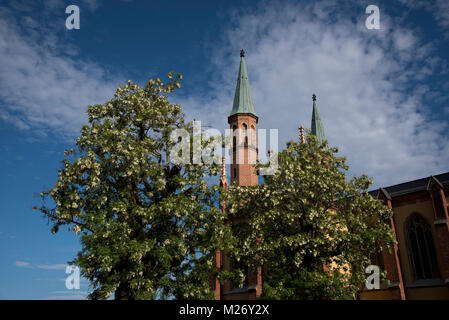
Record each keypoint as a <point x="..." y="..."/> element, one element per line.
<point x="51" y="266"/>
<point x="441" y="12"/>
<point x="438" y="8"/>
<point x="92" y="4"/>
<point x="43" y="87"/>
<point x="369" y="85"/>
<point x="22" y="264"/>
<point x="70" y="292"/>
<point x="54" y="5"/>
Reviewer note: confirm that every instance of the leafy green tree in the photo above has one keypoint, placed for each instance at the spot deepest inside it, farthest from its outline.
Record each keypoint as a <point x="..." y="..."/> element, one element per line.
<point x="147" y="226"/>
<point x="311" y="229"/>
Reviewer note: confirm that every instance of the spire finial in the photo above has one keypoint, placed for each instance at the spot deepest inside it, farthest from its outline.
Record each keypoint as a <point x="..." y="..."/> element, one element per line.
<point x="242" y="53"/>
<point x="316" y="127"/>
<point x="302" y="139"/>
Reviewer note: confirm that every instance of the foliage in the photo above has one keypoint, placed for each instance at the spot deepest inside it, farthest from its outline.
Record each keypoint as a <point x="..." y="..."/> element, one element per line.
<point x="311" y="229"/>
<point x="147" y="226"/>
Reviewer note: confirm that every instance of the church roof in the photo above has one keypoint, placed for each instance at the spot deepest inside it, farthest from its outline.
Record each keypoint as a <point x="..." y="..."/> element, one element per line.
<point x="242" y="98"/>
<point x="413" y="186"/>
<point x="317" y="126"/>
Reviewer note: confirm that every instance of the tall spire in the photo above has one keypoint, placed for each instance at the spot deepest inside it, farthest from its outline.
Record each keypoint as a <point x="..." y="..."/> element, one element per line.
<point x="317" y="126"/>
<point x="242" y="98"/>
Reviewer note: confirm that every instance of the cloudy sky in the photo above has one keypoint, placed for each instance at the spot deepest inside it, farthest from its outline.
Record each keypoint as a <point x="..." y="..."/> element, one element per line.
<point x="382" y="94"/>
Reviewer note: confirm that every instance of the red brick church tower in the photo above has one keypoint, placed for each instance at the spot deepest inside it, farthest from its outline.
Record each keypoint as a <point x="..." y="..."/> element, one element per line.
<point x="243" y="124"/>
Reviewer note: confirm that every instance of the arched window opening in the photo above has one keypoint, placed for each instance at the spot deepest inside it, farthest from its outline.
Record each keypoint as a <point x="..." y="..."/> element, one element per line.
<point x="243" y="267"/>
<point x="421" y="248"/>
<point x="234" y="138"/>
<point x="253" y="135"/>
<point x="245" y="134"/>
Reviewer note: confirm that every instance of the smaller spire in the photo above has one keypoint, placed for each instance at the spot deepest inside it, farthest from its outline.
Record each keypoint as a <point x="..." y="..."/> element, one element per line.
<point x="302" y="138"/>
<point x="242" y="53"/>
<point x="316" y="127"/>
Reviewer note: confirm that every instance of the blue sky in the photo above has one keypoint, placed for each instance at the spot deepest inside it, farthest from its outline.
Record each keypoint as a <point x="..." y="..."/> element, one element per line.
<point x="382" y="94"/>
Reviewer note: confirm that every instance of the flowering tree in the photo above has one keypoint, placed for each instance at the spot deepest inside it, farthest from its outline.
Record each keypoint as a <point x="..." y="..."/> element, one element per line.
<point x="311" y="229"/>
<point x="147" y="226"/>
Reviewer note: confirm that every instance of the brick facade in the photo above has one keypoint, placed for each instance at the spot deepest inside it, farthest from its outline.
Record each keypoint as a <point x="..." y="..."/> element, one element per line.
<point x="426" y="198"/>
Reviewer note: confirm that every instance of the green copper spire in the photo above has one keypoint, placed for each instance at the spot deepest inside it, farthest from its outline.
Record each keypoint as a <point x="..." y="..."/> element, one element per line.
<point x="242" y="98"/>
<point x="317" y="126"/>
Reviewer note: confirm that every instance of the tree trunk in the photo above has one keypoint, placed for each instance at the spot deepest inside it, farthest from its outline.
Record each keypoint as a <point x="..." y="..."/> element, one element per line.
<point x="123" y="292"/>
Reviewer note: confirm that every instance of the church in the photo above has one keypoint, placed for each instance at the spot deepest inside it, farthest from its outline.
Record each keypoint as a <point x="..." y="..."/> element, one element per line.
<point x="417" y="267"/>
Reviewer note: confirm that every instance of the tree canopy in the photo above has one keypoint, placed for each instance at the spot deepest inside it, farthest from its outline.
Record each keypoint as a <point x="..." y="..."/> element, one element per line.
<point x="312" y="229"/>
<point x="147" y="226"/>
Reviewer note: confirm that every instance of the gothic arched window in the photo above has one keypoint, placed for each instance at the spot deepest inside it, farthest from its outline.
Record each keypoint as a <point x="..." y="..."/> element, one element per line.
<point x="245" y="134"/>
<point x="234" y="138"/>
<point x="421" y="248"/>
<point x="253" y="135"/>
<point x="243" y="267"/>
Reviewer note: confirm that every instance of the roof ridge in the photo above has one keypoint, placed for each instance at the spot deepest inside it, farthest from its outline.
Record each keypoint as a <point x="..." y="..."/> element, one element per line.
<point x="424" y="178"/>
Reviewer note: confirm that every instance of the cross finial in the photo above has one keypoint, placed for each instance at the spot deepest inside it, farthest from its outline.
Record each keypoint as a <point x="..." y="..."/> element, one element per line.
<point x="242" y="53"/>
<point x="313" y="97"/>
